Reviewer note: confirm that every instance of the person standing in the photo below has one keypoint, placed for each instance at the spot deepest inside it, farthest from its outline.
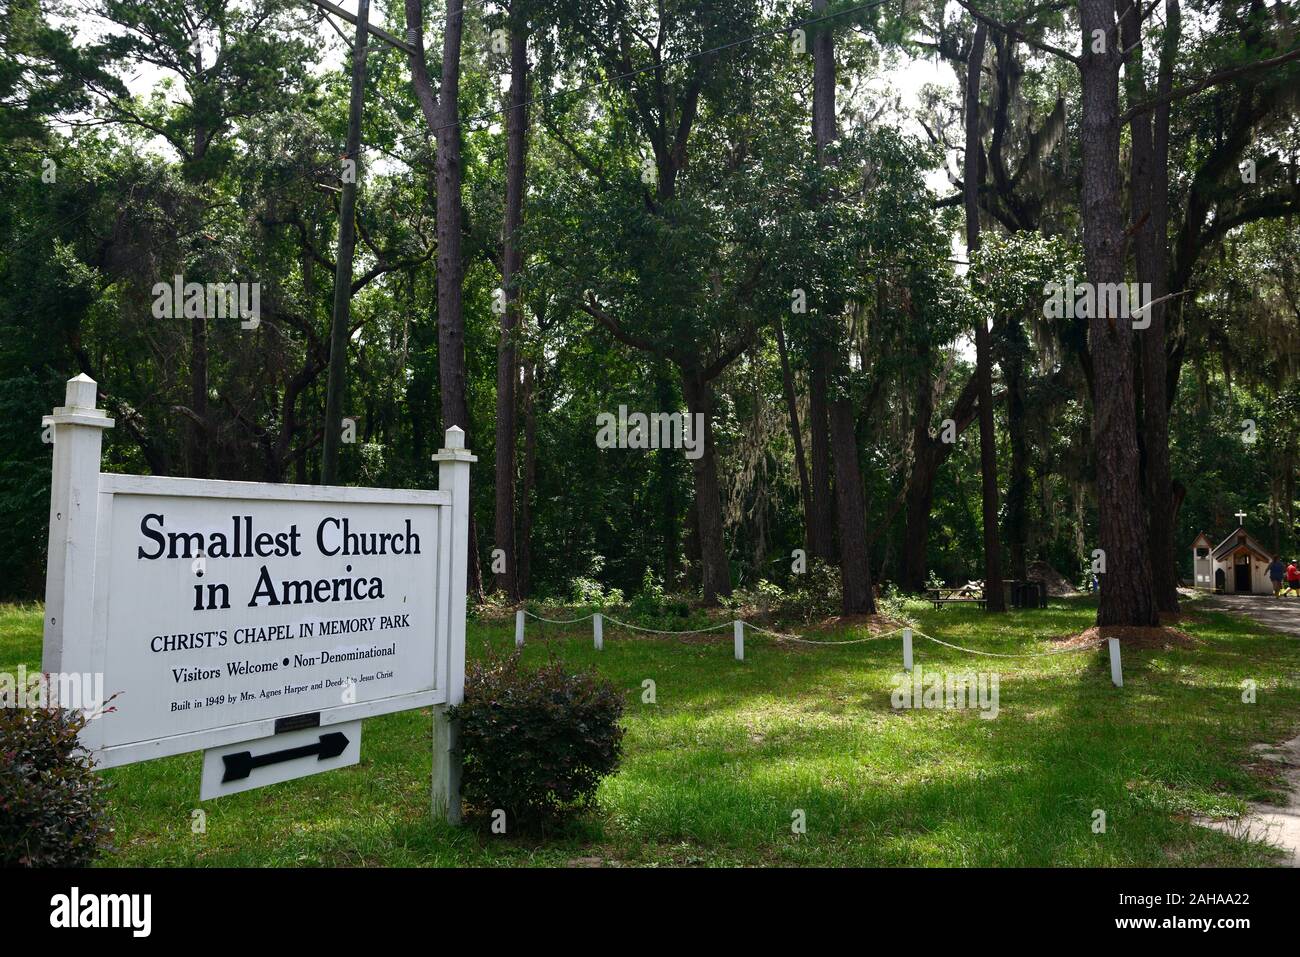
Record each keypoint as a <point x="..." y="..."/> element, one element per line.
<point x="1293" y="578"/>
<point x="1277" y="575"/>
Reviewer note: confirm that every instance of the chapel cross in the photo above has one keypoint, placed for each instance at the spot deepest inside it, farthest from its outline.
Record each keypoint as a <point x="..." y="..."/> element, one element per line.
<point x="1241" y="517"/>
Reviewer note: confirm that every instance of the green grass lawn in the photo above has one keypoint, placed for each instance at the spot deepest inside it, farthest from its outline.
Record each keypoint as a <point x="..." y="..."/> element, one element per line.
<point x="715" y="770"/>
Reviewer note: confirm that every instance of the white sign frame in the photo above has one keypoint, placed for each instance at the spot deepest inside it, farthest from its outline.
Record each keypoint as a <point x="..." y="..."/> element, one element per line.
<point x="112" y="486"/>
<point x="75" y="636"/>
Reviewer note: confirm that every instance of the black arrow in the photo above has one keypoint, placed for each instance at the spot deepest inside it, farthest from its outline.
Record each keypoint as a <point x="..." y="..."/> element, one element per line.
<point x="240" y="764"/>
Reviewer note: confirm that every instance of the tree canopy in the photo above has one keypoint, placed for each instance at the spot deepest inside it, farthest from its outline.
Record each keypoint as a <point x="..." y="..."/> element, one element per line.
<point x="745" y="211"/>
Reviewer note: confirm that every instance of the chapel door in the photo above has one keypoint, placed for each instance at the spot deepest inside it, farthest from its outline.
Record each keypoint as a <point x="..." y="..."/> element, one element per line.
<point x="1242" y="583"/>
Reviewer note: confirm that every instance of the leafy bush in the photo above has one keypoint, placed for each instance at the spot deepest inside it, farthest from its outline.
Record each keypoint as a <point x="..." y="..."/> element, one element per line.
<point x="653" y="607"/>
<point x="587" y="589"/>
<point x="52" y="807"/>
<point x="650" y="599"/>
<point x="814" y="594"/>
<point x="765" y="596"/>
<point x="894" y="604"/>
<point x="536" y="743"/>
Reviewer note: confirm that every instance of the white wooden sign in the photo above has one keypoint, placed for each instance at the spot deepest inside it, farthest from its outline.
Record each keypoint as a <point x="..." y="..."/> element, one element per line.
<point x="220" y="613"/>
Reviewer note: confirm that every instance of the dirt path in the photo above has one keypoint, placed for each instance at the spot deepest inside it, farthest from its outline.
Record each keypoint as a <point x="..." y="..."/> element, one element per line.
<point x="1280" y="614"/>
<point x="1279" y="825"/>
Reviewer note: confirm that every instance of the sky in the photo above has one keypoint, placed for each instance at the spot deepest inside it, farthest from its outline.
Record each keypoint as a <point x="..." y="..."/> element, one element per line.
<point x="905" y="81"/>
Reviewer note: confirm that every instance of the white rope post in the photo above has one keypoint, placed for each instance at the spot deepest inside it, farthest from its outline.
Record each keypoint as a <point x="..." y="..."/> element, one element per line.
<point x="907" y="649"/>
<point x="738" y="631"/>
<point x="1116" y="672"/>
<point x="598" y="630"/>
<point x="519" y="628"/>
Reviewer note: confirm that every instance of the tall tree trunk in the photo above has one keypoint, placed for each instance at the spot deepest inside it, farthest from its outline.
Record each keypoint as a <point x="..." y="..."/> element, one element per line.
<point x="821" y="523"/>
<point x="337" y="385"/>
<point x="692" y="545"/>
<point x="511" y="267"/>
<point x="855" y="569"/>
<point x="919" y="503"/>
<point x="715" y="574"/>
<point x="821" y="533"/>
<point x="524" y="547"/>
<point x="1290" y="504"/>
<point x="196" y="456"/>
<point x="198" y="428"/>
<point x="442" y="114"/>
<point x="928" y="455"/>
<point x="1017" y="524"/>
<point x="994" y="598"/>
<point x="823" y="104"/>
<point x="669" y="531"/>
<point x="451" y="317"/>
<point x="1126" y="590"/>
<point x="796" y="436"/>
<point x="1153" y="247"/>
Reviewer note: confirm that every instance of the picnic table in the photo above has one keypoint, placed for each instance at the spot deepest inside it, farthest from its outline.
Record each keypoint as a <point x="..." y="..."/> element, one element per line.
<point x="970" y="592"/>
<point x="1020" y="594"/>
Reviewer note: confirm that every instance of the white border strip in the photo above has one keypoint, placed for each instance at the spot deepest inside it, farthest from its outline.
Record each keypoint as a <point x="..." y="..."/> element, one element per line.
<point x="114" y="484"/>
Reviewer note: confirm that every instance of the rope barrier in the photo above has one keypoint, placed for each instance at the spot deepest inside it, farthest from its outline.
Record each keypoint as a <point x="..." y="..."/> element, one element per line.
<point x="655" y="631"/>
<point x="808" y="641"/>
<point x="993" y="654"/>
<point x="558" y="621"/>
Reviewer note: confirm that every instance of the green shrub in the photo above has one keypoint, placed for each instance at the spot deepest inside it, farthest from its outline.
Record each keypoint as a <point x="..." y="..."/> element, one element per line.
<point x="588" y="590"/>
<point x="649" y="601"/>
<point x="898" y="606"/>
<point x="764" y="596"/>
<point x="814" y="594"/>
<point x="52" y="807"/>
<point x="653" y="607"/>
<point x="536" y="742"/>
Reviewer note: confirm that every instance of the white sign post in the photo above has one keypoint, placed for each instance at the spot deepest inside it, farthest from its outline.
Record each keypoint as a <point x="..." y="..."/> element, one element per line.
<point x="453" y="477"/>
<point x="232" y="616"/>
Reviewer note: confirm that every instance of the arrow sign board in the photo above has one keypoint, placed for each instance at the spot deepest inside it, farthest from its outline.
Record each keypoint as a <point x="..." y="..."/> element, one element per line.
<point x="281" y="757"/>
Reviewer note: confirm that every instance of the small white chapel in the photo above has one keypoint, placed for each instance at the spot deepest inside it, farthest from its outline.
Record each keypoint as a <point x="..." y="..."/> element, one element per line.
<point x="1237" y="565"/>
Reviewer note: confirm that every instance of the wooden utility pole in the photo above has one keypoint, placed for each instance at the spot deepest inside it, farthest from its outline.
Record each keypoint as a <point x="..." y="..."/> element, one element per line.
<point x="336" y="388"/>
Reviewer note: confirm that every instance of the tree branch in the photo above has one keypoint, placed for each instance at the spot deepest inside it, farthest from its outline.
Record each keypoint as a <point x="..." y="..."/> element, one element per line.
<point x="1213" y="79"/>
<point x="1012" y="32"/>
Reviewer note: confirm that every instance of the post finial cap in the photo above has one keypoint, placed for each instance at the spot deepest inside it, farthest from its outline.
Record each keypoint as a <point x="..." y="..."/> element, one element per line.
<point x="81" y="392"/>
